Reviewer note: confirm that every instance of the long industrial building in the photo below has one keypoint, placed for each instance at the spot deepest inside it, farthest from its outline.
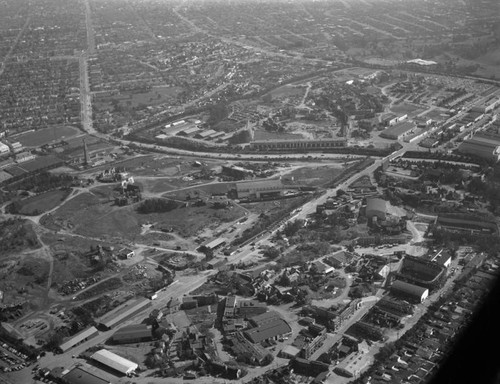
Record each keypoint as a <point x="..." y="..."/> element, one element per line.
<point x="260" y="188"/>
<point x="123" y="312"/>
<point x="486" y="146"/>
<point x="310" y="145"/>
<point x="132" y="334"/>
<point x="78" y="338"/>
<point x="267" y="326"/>
<point x="399" y="131"/>
<point x="409" y="291"/>
<point x="114" y="361"/>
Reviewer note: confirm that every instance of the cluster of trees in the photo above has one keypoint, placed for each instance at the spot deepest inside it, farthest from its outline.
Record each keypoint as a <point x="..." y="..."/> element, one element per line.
<point x="265" y="220"/>
<point x="42" y="182"/>
<point x="217" y="113"/>
<point x="17" y="234"/>
<point x="488" y="189"/>
<point x="484" y="243"/>
<point x="240" y="137"/>
<point x="156" y="206"/>
<point x="272" y="126"/>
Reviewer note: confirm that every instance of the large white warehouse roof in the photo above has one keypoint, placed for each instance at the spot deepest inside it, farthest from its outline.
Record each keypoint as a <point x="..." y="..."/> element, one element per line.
<point x="114" y="361"/>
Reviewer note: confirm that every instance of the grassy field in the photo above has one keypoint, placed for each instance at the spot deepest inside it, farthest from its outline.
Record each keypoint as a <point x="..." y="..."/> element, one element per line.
<point x="156" y="95"/>
<point x="314" y="176"/>
<point x="406" y="108"/>
<point x="288" y="90"/>
<point x="47" y="135"/>
<point x="92" y="216"/>
<point x="42" y="203"/>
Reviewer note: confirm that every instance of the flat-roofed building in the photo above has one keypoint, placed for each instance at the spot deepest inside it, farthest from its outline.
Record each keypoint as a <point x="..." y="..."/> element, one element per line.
<point x="205" y="134"/>
<point x="217" y="135"/>
<point x="78" y="338"/>
<point x="113" y="361"/>
<point x="486" y="146"/>
<point x="123" y="312"/>
<point x="189" y="131"/>
<point x="399" y="131"/>
<point x="259" y="188"/>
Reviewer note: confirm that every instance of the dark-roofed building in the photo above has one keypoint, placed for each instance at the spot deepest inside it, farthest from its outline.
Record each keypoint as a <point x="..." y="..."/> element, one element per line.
<point x="78" y="338"/>
<point x="486" y="146"/>
<point x="267" y="326"/>
<point x="132" y="334"/>
<point x="409" y="291"/>
<point x="376" y="207"/>
<point x="399" y="131"/>
<point x="80" y="376"/>
<point x="214" y="244"/>
<point x="123" y="312"/>
<point x="442" y="258"/>
<point x="250" y="308"/>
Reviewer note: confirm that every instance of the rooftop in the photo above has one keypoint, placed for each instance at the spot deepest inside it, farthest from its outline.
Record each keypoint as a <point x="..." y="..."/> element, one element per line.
<point x="80" y="376"/>
<point x="114" y="361"/>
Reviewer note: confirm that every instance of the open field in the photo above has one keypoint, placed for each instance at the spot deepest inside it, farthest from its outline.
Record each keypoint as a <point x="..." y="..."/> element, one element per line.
<point x="155" y="96"/>
<point x="314" y="176"/>
<point x="44" y="202"/>
<point x="405" y="108"/>
<point x="288" y="90"/>
<point x="88" y="215"/>
<point x="47" y="135"/>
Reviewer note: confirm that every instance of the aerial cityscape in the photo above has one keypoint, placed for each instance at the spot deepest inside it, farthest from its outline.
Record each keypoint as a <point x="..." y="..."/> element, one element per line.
<point x="247" y="191"/>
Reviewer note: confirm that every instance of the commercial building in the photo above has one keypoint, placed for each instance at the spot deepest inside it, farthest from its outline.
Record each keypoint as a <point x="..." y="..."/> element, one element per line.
<point x="442" y="257"/>
<point x="260" y="188"/>
<point x="310" y="145"/>
<point x="132" y="334"/>
<point x="488" y="106"/>
<point x="409" y="291"/>
<point x="214" y="244"/>
<point x="399" y="131"/>
<point x="205" y="134"/>
<point x="250" y="308"/>
<point x="376" y="207"/>
<point x="114" y="361"/>
<point x="230" y="307"/>
<point x="80" y="376"/>
<point x="78" y="338"/>
<point x="469" y="224"/>
<point x="267" y="326"/>
<point x="189" y="131"/>
<point x="123" y="312"/>
<point x="392" y="119"/>
<point x="486" y="146"/>
<point x="4" y="148"/>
